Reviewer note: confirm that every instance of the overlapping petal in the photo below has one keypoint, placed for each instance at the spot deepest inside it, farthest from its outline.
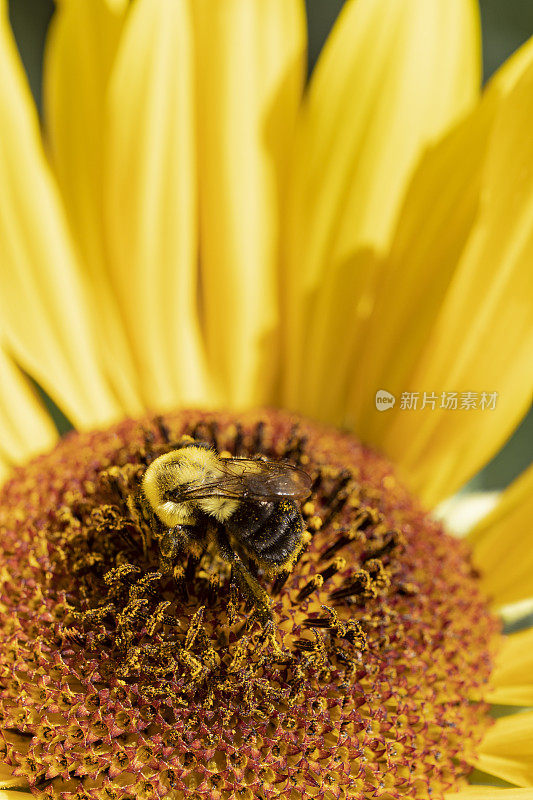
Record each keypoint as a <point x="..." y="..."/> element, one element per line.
<point x="506" y="77"/>
<point x="511" y="682"/>
<point x="501" y="543"/>
<point x="150" y="200"/>
<point x="435" y="221"/>
<point x="391" y="78"/>
<point x="440" y="207"/>
<point x="80" y="51"/>
<point x="250" y="66"/>
<point x="46" y="322"/>
<point x="11" y="786"/>
<point x="25" y="427"/>
<point x="490" y="793"/>
<point x="486" y="313"/>
<point x="507" y="750"/>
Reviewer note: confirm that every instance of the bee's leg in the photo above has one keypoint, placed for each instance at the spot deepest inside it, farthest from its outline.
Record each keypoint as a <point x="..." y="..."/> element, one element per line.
<point x="173" y="544"/>
<point x="248" y="585"/>
<point x="141" y="511"/>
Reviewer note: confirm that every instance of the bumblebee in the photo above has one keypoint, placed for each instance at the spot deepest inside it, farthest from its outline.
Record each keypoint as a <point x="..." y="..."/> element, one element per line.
<point x="244" y="509"/>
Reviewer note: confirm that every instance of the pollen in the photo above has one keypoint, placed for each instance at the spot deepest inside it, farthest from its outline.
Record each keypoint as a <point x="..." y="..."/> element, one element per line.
<point x="119" y="681"/>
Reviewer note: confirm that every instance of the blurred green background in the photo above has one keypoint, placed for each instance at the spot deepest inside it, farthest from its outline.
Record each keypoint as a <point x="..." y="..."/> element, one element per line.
<point x="506" y="24"/>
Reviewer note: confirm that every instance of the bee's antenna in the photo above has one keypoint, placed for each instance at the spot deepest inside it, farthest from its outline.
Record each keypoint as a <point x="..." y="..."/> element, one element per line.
<point x="238" y="448"/>
<point x="258" y="445"/>
<point x="163" y="429"/>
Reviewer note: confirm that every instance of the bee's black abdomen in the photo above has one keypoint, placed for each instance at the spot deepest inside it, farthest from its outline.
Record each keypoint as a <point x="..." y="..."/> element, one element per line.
<point x="270" y="530"/>
<point x="285" y="545"/>
<point x="250" y="519"/>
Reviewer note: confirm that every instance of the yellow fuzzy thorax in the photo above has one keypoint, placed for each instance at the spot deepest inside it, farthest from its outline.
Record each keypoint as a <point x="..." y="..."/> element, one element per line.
<point x="183" y="467"/>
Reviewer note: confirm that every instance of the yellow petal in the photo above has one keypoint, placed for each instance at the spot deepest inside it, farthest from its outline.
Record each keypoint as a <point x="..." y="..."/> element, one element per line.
<point x="150" y="193"/>
<point x="46" y="323"/>
<point x="507" y="750"/>
<point x="80" y="50"/>
<point x="340" y="316"/>
<point x="501" y="542"/>
<point x="250" y="59"/>
<point x="482" y="336"/>
<point x="15" y="795"/>
<point x="434" y="224"/>
<point x="462" y="511"/>
<point x="25" y="427"/>
<point x="369" y="345"/>
<point x="391" y="78"/>
<point x="9" y="784"/>
<point x="511" y="682"/>
<point x="509" y="73"/>
<point x="511" y="613"/>
<point x="490" y="793"/>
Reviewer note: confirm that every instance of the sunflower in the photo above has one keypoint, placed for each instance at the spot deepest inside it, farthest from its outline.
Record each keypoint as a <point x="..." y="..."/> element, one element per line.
<point x="192" y="228"/>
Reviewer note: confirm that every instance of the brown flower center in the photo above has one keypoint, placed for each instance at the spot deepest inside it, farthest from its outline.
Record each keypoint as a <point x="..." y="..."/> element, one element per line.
<point x="118" y="679"/>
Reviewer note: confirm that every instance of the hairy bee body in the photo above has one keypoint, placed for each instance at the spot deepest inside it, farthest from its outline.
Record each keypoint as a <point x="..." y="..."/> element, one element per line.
<point x="244" y="508"/>
<point x="270" y="530"/>
<point x="172" y="472"/>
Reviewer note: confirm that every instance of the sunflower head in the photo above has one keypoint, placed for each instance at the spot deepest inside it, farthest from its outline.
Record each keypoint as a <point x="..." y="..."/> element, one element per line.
<point x="119" y="681"/>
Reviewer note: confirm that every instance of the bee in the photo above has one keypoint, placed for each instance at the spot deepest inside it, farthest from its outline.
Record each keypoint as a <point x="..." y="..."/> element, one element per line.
<point x="245" y="509"/>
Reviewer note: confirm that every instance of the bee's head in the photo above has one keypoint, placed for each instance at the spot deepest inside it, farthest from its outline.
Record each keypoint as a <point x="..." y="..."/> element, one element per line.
<point x="189" y="441"/>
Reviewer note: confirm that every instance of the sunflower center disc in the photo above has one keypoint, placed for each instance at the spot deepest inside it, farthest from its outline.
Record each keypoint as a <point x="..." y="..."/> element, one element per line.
<point x="120" y="682"/>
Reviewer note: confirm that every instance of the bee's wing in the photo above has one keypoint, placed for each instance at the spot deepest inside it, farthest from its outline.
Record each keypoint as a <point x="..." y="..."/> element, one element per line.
<point x="242" y="478"/>
<point x="265" y="479"/>
<point x="221" y="487"/>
